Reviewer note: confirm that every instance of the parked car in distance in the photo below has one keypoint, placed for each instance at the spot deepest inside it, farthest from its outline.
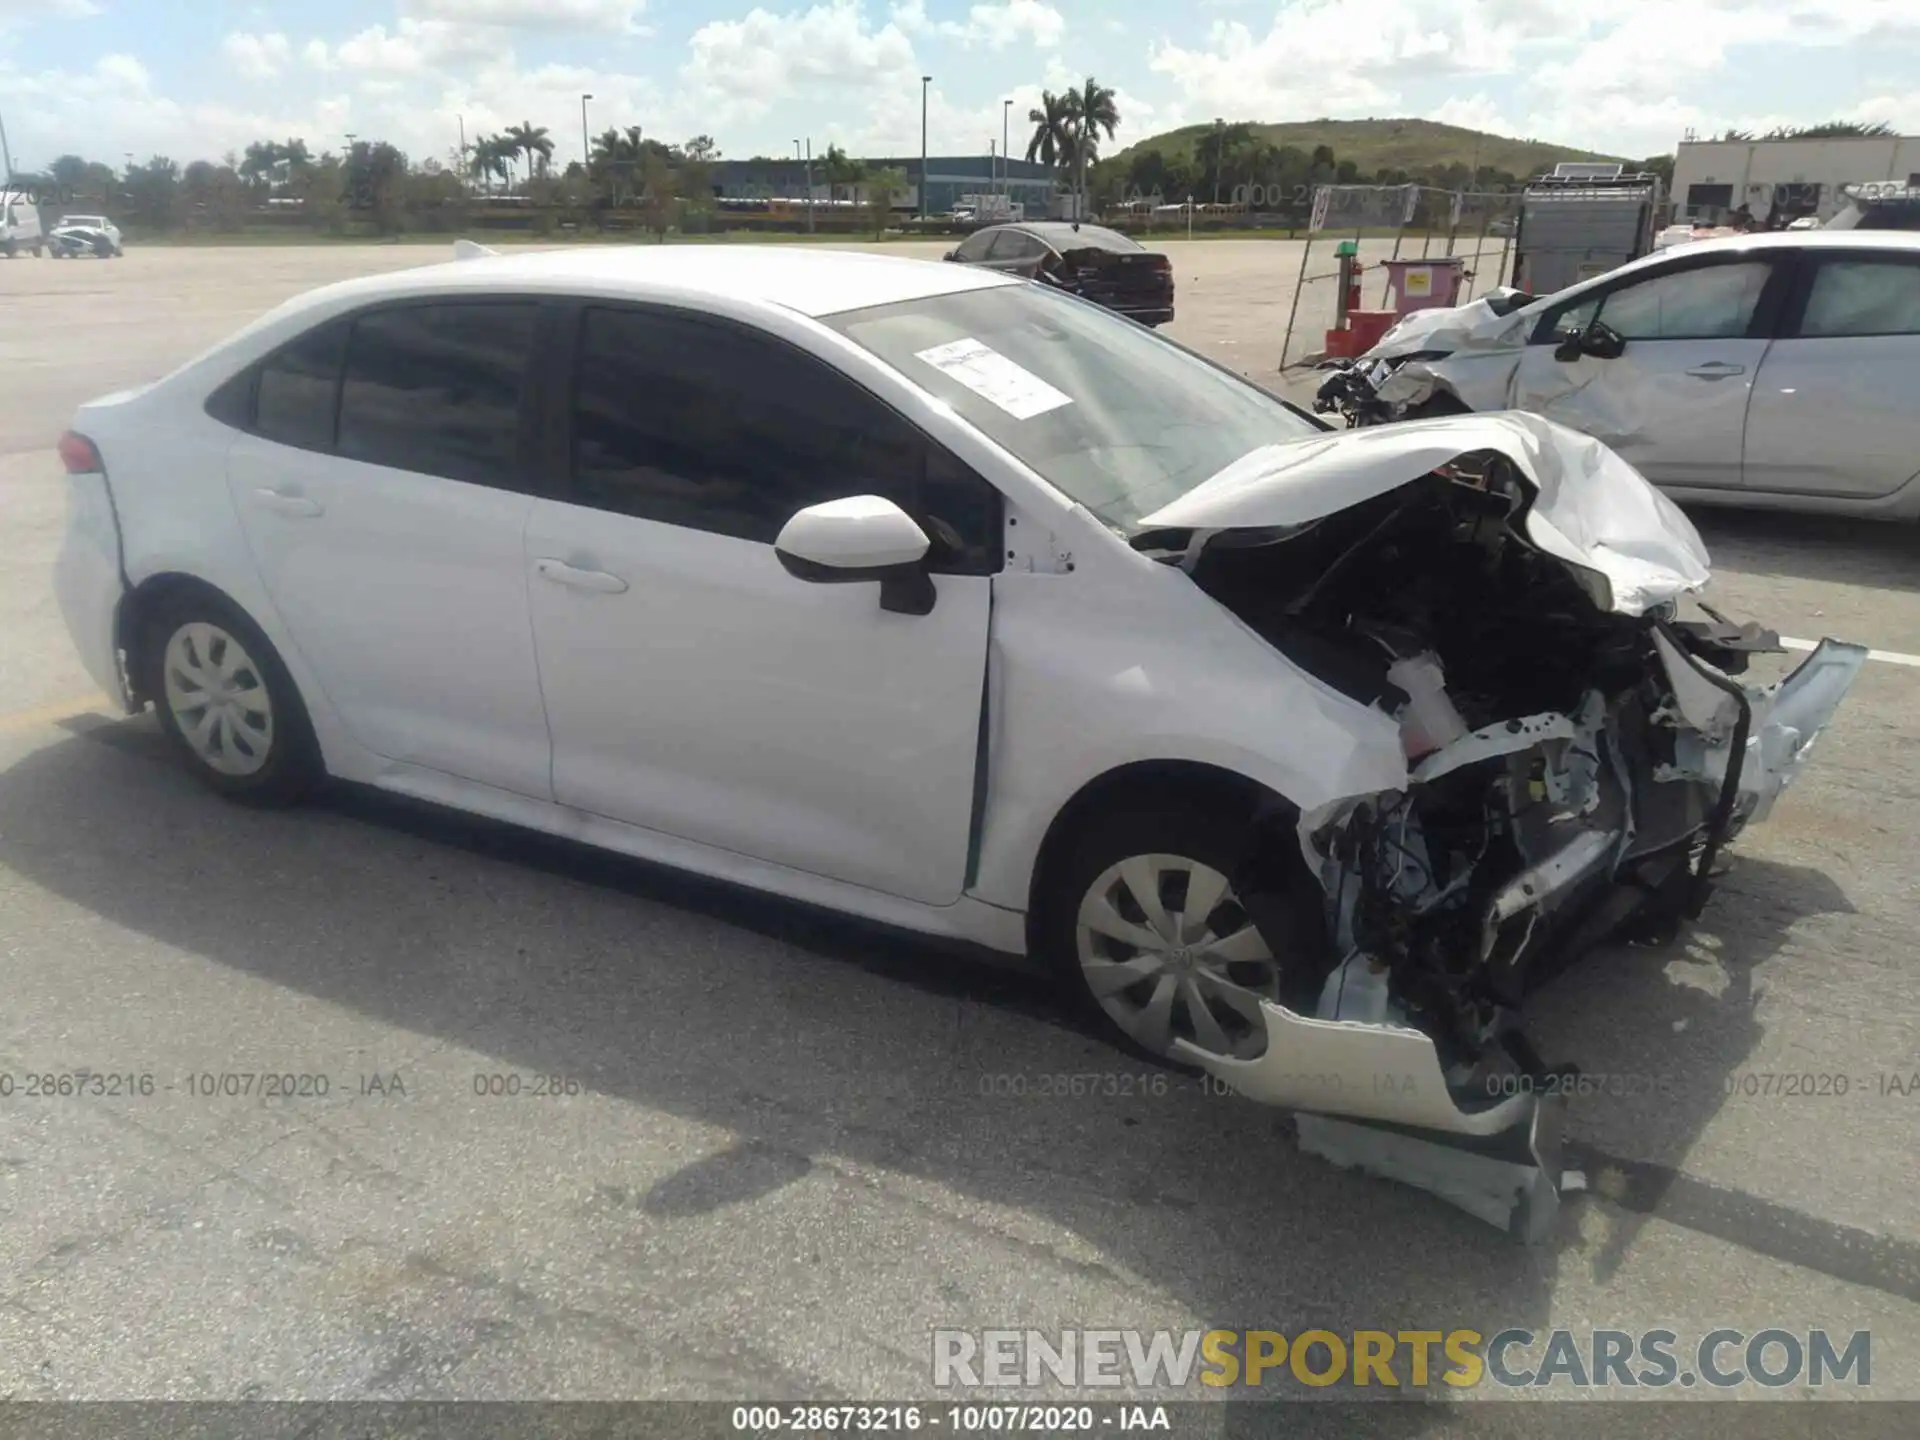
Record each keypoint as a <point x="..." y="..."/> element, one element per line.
<point x="951" y="601"/>
<point x="20" y="224"/>
<point x="1771" y="369"/>
<point x="85" y="235"/>
<point x="1090" y="261"/>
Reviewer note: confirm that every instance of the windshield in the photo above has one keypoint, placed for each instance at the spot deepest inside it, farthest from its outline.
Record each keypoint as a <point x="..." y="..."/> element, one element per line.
<point x="1116" y="417"/>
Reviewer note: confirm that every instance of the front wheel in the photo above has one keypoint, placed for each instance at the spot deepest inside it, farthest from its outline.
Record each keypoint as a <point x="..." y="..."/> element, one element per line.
<point x="227" y="703"/>
<point x="1149" y="930"/>
<point x="1437" y="404"/>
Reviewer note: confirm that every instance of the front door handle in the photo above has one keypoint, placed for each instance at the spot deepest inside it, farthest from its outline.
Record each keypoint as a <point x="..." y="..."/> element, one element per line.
<point x="288" y="504"/>
<point x="1717" y="370"/>
<point x="562" y="573"/>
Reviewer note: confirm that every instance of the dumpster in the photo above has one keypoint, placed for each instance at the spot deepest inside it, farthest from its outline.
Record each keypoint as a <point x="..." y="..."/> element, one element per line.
<point x="1430" y="284"/>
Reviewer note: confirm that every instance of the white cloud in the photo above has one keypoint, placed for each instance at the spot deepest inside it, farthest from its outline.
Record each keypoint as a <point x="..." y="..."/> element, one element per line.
<point x="611" y="16"/>
<point x="741" y="69"/>
<point x="412" y="47"/>
<point x="994" y="25"/>
<point x="257" y="57"/>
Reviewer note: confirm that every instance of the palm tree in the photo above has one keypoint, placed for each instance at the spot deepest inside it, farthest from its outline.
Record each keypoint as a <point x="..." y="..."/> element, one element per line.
<point x="1052" y="140"/>
<point x="616" y="154"/>
<point x="491" y="158"/>
<point x="1090" y="109"/>
<point x="531" y="141"/>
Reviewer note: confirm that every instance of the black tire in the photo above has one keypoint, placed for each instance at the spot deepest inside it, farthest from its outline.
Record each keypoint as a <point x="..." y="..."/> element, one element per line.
<point x="1221" y="830"/>
<point x="1437" y="404"/>
<point x="292" y="765"/>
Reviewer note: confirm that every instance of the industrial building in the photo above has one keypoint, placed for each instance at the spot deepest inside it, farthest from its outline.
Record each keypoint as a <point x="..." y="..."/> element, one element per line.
<point x="948" y="177"/>
<point x="1712" y="178"/>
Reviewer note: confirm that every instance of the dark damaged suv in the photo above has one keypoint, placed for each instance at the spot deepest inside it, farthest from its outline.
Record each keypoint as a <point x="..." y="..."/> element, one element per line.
<point x="1090" y="261"/>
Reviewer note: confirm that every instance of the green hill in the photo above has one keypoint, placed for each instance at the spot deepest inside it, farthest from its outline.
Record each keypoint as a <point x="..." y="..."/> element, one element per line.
<point x="1416" y="146"/>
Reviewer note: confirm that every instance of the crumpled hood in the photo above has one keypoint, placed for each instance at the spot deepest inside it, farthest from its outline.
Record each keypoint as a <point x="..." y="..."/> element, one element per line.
<point x="1593" y="510"/>
<point x="1472" y="326"/>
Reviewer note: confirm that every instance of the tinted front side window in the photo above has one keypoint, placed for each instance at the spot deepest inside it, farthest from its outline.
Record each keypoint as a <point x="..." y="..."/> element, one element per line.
<point x="438" y="389"/>
<point x="298" y="384"/>
<point x="1715" y="302"/>
<point x="698" y="424"/>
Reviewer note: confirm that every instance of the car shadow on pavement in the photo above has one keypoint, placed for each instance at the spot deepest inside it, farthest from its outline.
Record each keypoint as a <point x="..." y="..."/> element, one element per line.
<point x="822" y="1042"/>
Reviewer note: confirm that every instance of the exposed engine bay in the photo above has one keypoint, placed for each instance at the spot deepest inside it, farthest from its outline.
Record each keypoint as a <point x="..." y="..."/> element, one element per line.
<point x="1575" y="765"/>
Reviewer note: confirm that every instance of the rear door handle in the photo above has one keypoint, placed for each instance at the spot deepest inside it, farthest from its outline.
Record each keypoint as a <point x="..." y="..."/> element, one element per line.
<point x="562" y="573"/>
<point x="288" y="504"/>
<point x="1717" y="370"/>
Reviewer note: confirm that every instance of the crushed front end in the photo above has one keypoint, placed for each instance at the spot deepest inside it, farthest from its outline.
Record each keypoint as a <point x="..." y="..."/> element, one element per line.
<point x="1577" y="756"/>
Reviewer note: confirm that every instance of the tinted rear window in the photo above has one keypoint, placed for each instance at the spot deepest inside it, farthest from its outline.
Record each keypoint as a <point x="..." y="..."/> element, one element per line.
<point x="438" y="389"/>
<point x="294" y="401"/>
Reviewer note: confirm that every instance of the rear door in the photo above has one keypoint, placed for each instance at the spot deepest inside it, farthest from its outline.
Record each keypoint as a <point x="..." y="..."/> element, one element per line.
<point x="1833" y="408"/>
<point x="384" y="487"/>
<point x="1675" y="403"/>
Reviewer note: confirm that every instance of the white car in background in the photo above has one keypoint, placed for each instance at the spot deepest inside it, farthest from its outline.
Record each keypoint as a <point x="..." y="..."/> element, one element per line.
<point x="1769" y="370"/>
<point x="954" y="602"/>
<point x="84" y="234"/>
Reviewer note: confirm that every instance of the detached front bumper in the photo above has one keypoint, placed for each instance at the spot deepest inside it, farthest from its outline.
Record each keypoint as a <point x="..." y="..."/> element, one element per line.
<point x="1374" y="1096"/>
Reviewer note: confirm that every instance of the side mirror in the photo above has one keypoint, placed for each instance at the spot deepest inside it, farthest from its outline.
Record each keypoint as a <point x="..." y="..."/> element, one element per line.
<point x="951" y="255"/>
<point x="1599" y="340"/>
<point x="1603" y="342"/>
<point x="860" y="538"/>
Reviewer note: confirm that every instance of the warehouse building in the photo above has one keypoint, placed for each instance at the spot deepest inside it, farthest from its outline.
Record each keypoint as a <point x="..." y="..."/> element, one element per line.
<point x="948" y="178"/>
<point x="1787" y="178"/>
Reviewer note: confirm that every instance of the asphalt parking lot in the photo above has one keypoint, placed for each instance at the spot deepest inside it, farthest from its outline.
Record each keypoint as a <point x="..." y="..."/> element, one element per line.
<point x="787" y="1146"/>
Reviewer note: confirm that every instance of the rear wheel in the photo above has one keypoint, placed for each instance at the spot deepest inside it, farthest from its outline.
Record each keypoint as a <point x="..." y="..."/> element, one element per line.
<point x="227" y="703"/>
<point x="1149" y="930"/>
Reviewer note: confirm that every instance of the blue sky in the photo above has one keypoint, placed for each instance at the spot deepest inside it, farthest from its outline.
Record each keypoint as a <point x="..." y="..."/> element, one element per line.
<point x="108" y="77"/>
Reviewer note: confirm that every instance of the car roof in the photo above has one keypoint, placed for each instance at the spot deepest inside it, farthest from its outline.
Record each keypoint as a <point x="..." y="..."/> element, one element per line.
<point x="810" y="280"/>
<point x="1802" y="239"/>
<point x="1064" y="234"/>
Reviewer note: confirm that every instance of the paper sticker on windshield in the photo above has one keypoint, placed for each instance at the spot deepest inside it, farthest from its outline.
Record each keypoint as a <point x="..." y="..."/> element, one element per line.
<point x="993" y="377"/>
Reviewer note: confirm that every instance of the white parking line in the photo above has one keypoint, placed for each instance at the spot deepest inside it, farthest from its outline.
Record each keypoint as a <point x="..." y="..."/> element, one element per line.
<point x="1890" y="657"/>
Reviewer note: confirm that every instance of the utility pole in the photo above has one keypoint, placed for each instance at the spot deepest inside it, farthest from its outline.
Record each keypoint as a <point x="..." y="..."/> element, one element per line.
<point x="586" y="150"/>
<point x="1006" y="152"/>
<point x="1219" y="137"/>
<point x="925" y="80"/>
<point x="809" y="185"/>
<point x="6" y="153"/>
<point x="462" y="120"/>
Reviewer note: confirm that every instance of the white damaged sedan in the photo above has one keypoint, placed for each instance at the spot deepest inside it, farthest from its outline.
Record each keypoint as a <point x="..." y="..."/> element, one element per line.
<point x="957" y="603"/>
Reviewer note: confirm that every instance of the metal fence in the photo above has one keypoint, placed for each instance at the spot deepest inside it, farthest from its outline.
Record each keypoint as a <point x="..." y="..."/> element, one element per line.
<point x="1392" y="222"/>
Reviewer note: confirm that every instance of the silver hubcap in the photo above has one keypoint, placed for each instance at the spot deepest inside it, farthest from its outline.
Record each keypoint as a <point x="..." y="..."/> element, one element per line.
<point x="1168" y="952"/>
<point x="218" y="699"/>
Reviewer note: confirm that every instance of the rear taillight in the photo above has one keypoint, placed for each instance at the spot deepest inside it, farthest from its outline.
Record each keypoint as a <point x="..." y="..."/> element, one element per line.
<point x="80" y="455"/>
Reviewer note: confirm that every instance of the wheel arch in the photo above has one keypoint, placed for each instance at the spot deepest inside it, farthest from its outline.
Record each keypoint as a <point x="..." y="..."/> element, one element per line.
<point x="1141" y="783"/>
<point x="138" y="605"/>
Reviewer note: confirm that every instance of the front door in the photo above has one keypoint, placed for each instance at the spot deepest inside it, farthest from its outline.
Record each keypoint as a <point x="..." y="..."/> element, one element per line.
<point x="693" y="686"/>
<point x="390" y="539"/>
<point x="1675" y="403"/>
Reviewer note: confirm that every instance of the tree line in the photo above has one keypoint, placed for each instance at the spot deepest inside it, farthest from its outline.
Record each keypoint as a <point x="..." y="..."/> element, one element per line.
<point x="374" y="184"/>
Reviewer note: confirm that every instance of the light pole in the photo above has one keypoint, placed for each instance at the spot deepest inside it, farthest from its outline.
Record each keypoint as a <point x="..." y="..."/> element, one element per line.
<point x="586" y="150"/>
<point x="1006" y="154"/>
<point x="6" y="153"/>
<point x="1219" y="133"/>
<point x="925" y="80"/>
